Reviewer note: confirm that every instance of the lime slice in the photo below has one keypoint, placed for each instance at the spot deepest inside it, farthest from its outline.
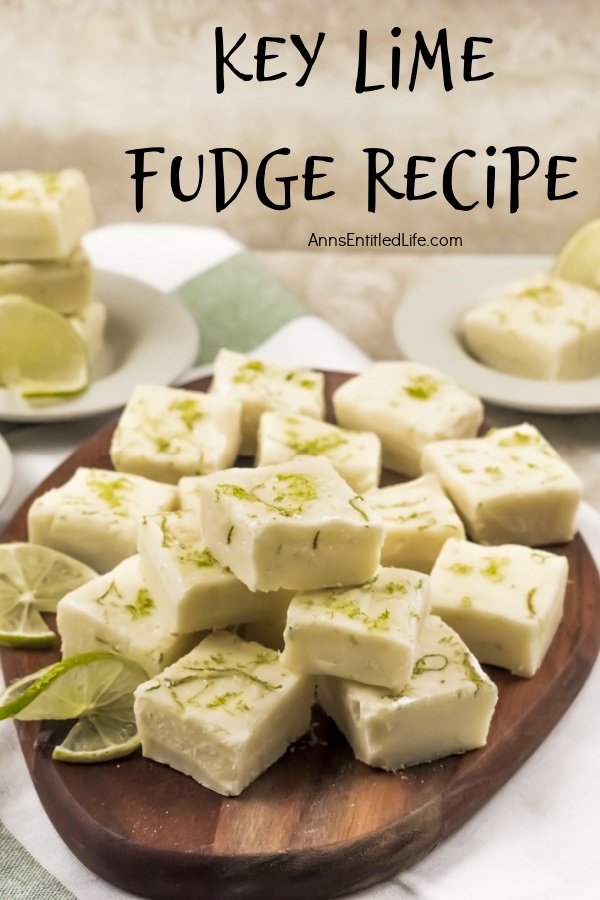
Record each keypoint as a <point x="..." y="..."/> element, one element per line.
<point x="32" y="580"/>
<point x="579" y="260"/>
<point x="40" y="353"/>
<point x="95" y="688"/>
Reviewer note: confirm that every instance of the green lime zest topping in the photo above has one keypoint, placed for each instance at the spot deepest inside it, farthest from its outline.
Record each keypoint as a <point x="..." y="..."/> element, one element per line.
<point x="110" y="490"/>
<point x="307" y="383"/>
<point x="431" y="662"/>
<point x="318" y="446"/>
<point x="203" y="559"/>
<point x="494" y="569"/>
<point x="142" y="605"/>
<point x="530" y="604"/>
<point x="516" y="439"/>
<point x="189" y="411"/>
<point x="460" y="568"/>
<point x="421" y="387"/>
<point x="249" y="371"/>
<point x="223" y="700"/>
<point x="229" y="534"/>
<point x="395" y="587"/>
<point x="545" y="295"/>
<point x="163" y="444"/>
<point x="466" y="602"/>
<point x="292" y="492"/>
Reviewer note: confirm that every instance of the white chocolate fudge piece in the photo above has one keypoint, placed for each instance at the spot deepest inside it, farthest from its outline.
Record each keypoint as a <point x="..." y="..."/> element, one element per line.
<point x="117" y="611"/>
<point x="43" y="214"/>
<point x="224" y="713"/>
<point x="506" y="602"/>
<point x="510" y="486"/>
<point x="417" y="519"/>
<point x="541" y="327"/>
<point x="261" y="387"/>
<point x="63" y="284"/>
<point x="356" y="455"/>
<point x="186" y="579"/>
<point x="89" y="325"/>
<point x="165" y="433"/>
<point x="296" y="525"/>
<point x="94" y="516"/>
<point x="367" y="633"/>
<point x="446" y="707"/>
<point x="407" y="405"/>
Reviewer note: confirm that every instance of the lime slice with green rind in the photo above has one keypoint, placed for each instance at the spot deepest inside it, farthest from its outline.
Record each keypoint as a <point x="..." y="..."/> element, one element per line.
<point x="95" y="688"/>
<point x="41" y="354"/>
<point x="579" y="259"/>
<point x="32" y="580"/>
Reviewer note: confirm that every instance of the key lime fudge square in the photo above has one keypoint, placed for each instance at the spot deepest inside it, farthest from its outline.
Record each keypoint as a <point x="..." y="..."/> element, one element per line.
<point x="167" y="433"/>
<point x="541" y="327"/>
<point x="43" y="214"/>
<point x="117" y="612"/>
<point x="368" y="633"/>
<point x="445" y="707"/>
<point x="407" y="405"/>
<point x="505" y="601"/>
<point x="94" y="516"/>
<point x="510" y="486"/>
<point x="297" y="525"/>
<point x="223" y="713"/>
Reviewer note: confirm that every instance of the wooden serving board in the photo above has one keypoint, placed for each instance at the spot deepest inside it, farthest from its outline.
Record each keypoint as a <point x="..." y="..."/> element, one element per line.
<point x="316" y="824"/>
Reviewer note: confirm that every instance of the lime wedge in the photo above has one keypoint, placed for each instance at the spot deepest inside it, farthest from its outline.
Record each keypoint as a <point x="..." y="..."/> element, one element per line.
<point x="41" y="354"/>
<point x="32" y="580"/>
<point x="579" y="259"/>
<point x="94" y="688"/>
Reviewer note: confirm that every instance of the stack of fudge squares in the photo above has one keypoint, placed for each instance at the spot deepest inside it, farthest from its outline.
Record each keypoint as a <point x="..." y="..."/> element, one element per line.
<point x="44" y="215"/>
<point x="241" y="590"/>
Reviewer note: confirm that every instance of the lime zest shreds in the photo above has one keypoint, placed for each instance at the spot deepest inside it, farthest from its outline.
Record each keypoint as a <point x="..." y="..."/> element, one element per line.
<point x="579" y="259"/>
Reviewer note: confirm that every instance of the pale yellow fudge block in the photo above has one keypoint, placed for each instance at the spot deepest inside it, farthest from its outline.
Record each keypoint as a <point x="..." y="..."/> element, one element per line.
<point x="43" y="214"/>
<point x="166" y="433"/>
<point x="540" y="327"/>
<point x="417" y="518"/>
<point x="367" y="633"/>
<point x="223" y="713"/>
<point x="118" y="612"/>
<point x="189" y="494"/>
<point x="445" y="708"/>
<point x="506" y="602"/>
<point x="356" y="455"/>
<point x="261" y="387"/>
<point x="510" y="486"/>
<point x="297" y="525"/>
<point x="187" y="580"/>
<point x="95" y="515"/>
<point x="407" y="405"/>
<point x="65" y="285"/>
<point x="90" y="325"/>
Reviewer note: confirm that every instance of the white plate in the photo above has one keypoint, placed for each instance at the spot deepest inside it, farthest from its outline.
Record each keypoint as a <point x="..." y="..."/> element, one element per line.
<point x="150" y="338"/>
<point x="427" y="327"/>
<point x="6" y="468"/>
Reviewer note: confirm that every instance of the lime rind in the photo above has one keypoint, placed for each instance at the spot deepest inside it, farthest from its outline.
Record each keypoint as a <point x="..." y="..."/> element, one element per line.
<point x="95" y="688"/>
<point x="579" y="259"/>
<point x="32" y="580"/>
<point x="41" y="354"/>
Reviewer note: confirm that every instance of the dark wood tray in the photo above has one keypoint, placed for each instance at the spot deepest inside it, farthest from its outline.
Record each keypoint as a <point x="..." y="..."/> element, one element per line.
<point x="318" y="823"/>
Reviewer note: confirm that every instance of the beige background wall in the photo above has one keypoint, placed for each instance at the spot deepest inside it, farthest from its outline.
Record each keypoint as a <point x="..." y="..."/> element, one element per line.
<point x="82" y="81"/>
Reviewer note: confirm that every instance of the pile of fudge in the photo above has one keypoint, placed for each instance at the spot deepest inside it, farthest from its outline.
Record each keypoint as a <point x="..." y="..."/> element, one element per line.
<point x="242" y="590"/>
<point x="44" y="217"/>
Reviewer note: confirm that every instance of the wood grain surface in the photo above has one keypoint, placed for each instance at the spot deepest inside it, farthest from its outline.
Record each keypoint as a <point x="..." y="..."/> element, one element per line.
<point x="318" y="823"/>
